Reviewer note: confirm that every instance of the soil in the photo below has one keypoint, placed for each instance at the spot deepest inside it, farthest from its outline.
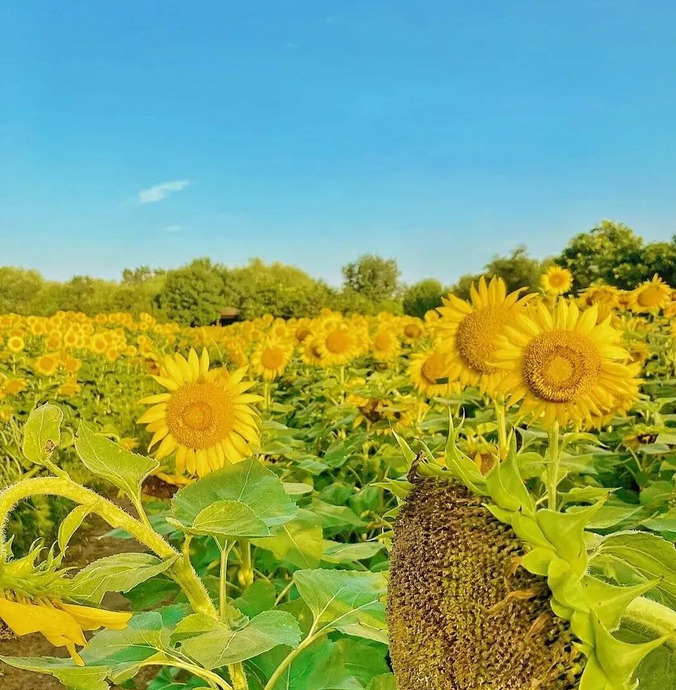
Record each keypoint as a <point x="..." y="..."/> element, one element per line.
<point x="86" y="547"/>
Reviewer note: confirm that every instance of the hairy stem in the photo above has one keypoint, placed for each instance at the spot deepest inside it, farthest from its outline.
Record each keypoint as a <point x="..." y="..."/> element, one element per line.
<point x="658" y="619"/>
<point x="553" y="469"/>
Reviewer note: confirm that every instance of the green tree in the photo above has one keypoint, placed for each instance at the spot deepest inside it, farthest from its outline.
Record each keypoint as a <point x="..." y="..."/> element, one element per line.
<point x="420" y="297"/>
<point x="518" y="270"/>
<point x="193" y="295"/>
<point x="373" y="277"/>
<point x="610" y="253"/>
<point x="19" y="289"/>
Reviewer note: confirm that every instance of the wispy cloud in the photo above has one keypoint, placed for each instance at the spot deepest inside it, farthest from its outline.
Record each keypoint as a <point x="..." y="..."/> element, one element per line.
<point x="161" y="191"/>
<point x="173" y="228"/>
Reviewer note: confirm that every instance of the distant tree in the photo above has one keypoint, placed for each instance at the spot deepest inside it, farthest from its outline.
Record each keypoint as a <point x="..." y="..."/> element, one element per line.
<point x="19" y="289"/>
<point x="373" y="277"/>
<point x="420" y="297"/>
<point x="517" y="270"/>
<point x="660" y="258"/>
<point x="193" y="295"/>
<point x="609" y="253"/>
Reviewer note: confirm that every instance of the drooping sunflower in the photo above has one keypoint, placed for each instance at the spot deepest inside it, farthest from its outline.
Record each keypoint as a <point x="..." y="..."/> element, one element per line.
<point x="650" y="297"/>
<point x="206" y="416"/>
<point x="427" y="369"/>
<point x="564" y="366"/>
<point x="468" y="331"/>
<point x="270" y="358"/>
<point x="556" y="280"/>
<point x="33" y="598"/>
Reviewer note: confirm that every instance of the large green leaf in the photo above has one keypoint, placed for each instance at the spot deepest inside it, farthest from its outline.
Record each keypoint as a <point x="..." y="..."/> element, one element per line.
<point x="42" y="433"/>
<point x="124" y="652"/>
<point x="299" y="542"/>
<point x="345" y="600"/>
<point x="64" y="670"/>
<point x="118" y="573"/>
<point x="248" y="483"/>
<point x="104" y="458"/>
<point x="229" y="520"/>
<point x="214" y="645"/>
<point x="646" y="555"/>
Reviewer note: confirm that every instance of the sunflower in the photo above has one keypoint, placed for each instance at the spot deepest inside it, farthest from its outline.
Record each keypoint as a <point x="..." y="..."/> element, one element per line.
<point x="270" y="358"/>
<point x="32" y="599"/>
<point x="650" y="297"/>
<point x="427" y="369"/>
<point x="385" y="345"/>
<point x="46" y="365"/>
<point x="564" y="366"/>
<point x="338" y="343"/>
<point x="605" y="297"/>
<point x="412" y="329"/>
<point x="469" y="331"/>
<point x="15" y="344"/>
<point x="206" y="416"/>
<point x="556" y="280"/>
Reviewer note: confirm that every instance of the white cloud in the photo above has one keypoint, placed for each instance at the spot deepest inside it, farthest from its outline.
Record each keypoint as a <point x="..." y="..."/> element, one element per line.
<point x="161" y="191"/>
<point x="172" y="228"/>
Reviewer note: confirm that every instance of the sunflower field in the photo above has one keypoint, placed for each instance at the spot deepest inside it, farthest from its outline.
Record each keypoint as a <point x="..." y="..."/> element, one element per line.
<point x="481" y="499"/>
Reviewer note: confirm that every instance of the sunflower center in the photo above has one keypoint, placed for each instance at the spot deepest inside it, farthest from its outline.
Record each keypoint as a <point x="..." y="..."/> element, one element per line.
<point x="337" y="342"/>
<point x="476" y="337"/>
<point x="200" y="414"/>
<point x="560" y="365"/>
<point x="382" y="341"/>
<point x="434" y="368"/>
<point x="557" y="280"/>
<point x="272" y="358"/>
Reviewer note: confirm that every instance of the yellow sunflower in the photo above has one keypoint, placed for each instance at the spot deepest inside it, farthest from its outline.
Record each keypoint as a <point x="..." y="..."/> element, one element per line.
<point x="46" y="365"/>
<point x="469" y="331"/>
<point x="425" y="371"/>
<point x="385" y="344"/>
<point x="605" y="297"/>
<point x="270" y="358"/>
<point x="338" y="344"/>
<point x="206" y="416"/>
<point x="650" y="297"/>
<point x="15" y="344"/>
<point x="556" y="280"/>
<point x="564" y="366"/>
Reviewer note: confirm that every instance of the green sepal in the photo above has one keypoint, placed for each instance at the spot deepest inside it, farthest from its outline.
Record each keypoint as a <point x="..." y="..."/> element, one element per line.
<point x="619" y="660"/>
<point x="609" y="602"/>
<point x="538" y="560"/>
<point x="461" y="466"/>
<point x="507" y="489"/>
<point x="565" y="531"/>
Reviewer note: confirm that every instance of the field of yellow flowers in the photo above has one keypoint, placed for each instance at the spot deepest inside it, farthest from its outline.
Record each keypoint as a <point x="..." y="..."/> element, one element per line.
<point x="483" y="498"/>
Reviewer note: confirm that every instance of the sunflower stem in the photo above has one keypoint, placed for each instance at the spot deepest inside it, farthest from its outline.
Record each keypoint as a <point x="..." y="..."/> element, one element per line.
<point x="658" y="619"/>
<point x="501" y="416"/>
<point x="553" y="469"/>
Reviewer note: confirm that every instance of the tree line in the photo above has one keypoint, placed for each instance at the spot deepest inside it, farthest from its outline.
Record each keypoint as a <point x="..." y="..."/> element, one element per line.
<point x="197" y="294"/>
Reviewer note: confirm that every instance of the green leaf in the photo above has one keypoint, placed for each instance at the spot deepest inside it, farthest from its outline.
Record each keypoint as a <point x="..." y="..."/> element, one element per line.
<point x="336" y="518"/>
<point x="229" y="520"/>
<point x="64" y="670"/>
<point x="42" y="433"/>
<point x="337" y="552"/>
<point x="299" y="542"/>
<point x="71" y="524"/>
<point x="213" y="645"/>
<point x="348" y="601"/>
<point x="609" y="602"/>
<point x="248" y="483"/>
<point x="118" y="573"/>
<point x="124" y="652"/>
<point x="507" y="489"/>
<point x="649" y="556"/>
<point x="386" y="681"/>
<point x="104" y="458"/>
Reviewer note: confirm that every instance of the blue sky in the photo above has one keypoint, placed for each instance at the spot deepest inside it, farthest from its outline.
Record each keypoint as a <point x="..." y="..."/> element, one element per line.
<point x="439" y="132"/>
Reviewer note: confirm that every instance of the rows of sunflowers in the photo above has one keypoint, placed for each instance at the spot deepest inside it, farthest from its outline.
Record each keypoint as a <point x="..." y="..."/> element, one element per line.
<point x="483" y="498"/>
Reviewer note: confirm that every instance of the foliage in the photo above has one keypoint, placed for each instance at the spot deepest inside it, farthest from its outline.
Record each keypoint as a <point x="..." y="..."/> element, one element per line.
<point x="420" y="297"/>
<point x="372" y="277"/>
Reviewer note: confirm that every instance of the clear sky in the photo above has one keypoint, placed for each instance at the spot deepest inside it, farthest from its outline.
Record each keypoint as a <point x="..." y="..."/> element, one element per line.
<point x="439" y="132"/>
